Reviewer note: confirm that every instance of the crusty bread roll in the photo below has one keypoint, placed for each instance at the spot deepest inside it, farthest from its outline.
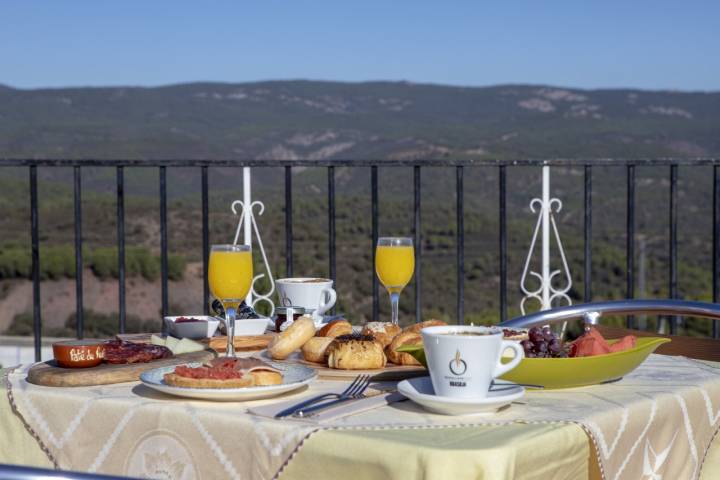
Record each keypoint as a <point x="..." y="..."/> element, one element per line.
<point x="265" y="377"/>
<point x="315" y="349"/>
<point x="283" y="344"/>
<point x="416" y="327"/>
<point x="356" y="352"/>
<point x="335" y="329"/>
<point x="180" y="381"/>
<point x="403" y="338"/>
<point x="384" y="332"/>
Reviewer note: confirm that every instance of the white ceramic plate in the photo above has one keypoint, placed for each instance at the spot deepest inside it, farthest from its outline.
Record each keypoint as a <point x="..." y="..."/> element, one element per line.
<point x="294" y="377"/>
<point x="420" y="391"/>
<point x="192" y="330"/>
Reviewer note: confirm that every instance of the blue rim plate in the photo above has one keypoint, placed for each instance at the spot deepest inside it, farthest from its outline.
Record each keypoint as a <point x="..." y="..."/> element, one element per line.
<point x="294" y="377"/>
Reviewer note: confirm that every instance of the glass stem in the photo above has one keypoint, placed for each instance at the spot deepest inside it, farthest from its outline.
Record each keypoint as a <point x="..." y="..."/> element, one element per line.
<point x="394" y="302"/>
<point x="230" y="327"/>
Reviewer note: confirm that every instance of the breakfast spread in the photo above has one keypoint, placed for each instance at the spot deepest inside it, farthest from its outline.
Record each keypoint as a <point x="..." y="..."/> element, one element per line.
<point x="356" y="352"/>
<point x="225" y="373"/>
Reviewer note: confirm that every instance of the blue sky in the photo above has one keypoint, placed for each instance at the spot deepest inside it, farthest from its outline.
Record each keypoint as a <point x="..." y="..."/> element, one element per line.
<point x="631" y="43"/>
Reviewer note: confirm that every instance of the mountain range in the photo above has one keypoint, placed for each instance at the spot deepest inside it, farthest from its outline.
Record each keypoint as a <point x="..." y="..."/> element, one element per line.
<point x="377" y="120"/>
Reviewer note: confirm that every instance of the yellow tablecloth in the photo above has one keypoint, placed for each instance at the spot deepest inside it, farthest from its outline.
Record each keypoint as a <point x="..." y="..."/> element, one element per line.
<point x="559" y="451"/>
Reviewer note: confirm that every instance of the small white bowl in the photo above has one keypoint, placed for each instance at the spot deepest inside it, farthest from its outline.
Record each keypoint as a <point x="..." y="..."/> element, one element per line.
<point x="250" y="326"/>
<point x="192" y="330"/>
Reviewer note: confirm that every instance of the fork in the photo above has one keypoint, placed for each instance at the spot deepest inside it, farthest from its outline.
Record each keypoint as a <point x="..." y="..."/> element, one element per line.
<point x="357" y="392"/>
<point x="357" y="382"/>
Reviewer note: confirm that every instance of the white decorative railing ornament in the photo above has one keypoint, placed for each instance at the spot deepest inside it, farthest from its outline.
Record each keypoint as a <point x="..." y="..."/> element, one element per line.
<point x="546" y="293"/>
<point x="247" y="219"/>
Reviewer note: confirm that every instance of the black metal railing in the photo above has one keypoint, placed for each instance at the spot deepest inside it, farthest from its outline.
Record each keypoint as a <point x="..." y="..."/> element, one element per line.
<point x="331" y="165"/>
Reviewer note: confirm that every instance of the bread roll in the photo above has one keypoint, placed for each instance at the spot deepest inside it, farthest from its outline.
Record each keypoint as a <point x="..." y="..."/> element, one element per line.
<point x="283" y="344"/>
<point x="265" y="377"/>
<point x="404" y="338"/>
<point x="384" y="332"/>
<point x="356" y="352"/>
<point x="315" y="349"/>
<point x="416" y="327"/>
<point x="335" y="329"/>
<point x="180" y="381"/>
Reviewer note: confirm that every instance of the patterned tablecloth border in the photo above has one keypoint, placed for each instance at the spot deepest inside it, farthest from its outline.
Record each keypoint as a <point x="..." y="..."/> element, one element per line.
<point x="30" y="430"/>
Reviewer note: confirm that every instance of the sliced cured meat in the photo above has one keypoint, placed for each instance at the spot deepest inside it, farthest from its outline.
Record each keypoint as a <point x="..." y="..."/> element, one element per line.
<point x="120" y="351"/>
<point x="244" y="365"/>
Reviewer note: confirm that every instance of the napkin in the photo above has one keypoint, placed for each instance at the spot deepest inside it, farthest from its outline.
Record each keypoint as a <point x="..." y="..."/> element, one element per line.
<point x="374" y="398"/>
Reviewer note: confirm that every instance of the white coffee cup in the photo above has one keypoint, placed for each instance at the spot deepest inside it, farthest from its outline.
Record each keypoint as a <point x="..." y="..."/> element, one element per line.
<point x="465" y="365"/>
<point x="315" y="295"/>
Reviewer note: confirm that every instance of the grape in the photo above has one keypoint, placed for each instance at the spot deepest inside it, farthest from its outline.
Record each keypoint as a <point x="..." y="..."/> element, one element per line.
<point x="549" y="336"/>
<point x="526" y="344"/>
<point x="554" y="348"/>
<point x="541" y="347"/>
<point x="536" y="335"/>
<point x="530" y="355"/>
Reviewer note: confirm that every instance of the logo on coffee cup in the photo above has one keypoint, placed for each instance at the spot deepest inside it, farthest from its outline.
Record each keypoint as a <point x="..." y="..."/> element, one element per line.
<point x="457" y="365"/>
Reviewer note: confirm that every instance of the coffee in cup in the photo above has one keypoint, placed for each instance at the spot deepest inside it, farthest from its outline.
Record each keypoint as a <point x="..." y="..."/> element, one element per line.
<point x="315" y="295"/>
<point x="464" y="360"/>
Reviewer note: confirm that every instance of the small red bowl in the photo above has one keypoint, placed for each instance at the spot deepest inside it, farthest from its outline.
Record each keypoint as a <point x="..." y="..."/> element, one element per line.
<point x="79" y="353"/>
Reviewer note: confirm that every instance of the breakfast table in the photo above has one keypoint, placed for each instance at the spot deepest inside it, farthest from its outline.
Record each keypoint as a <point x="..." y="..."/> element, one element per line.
<point x="659" y="421"/>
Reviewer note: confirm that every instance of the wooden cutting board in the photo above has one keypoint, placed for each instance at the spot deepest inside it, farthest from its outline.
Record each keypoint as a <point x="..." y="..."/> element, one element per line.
<point x="50" y="375"/>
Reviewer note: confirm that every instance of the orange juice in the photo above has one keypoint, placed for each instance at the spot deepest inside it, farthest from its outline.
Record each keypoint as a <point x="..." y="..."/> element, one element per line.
<point x="230" y="275"/>
<point x="394" y="266"/>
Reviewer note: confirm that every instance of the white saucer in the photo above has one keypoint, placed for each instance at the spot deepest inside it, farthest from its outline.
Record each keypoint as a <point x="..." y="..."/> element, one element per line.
<point x="420" y="391"/>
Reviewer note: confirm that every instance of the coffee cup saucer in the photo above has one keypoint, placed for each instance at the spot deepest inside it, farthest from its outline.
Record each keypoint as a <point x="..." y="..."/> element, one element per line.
<point x="420" y="391"/>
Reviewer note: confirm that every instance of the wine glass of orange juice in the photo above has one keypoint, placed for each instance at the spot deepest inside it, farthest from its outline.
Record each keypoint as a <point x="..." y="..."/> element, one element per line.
<point x="394" y="265"/>
<point x="230" y="276"/>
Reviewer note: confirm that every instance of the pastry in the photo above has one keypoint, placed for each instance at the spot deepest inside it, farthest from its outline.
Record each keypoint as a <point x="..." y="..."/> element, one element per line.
<point x="416" y="327"/>
<point x="383" y="332"/>
<point x="335" y="329"/>
<point x="403" y="338"/>
<point x="225" y="373"/>
<point x="315" y="349"/>
<point x="294" y="337"/>
<point x="356" y="352"/>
